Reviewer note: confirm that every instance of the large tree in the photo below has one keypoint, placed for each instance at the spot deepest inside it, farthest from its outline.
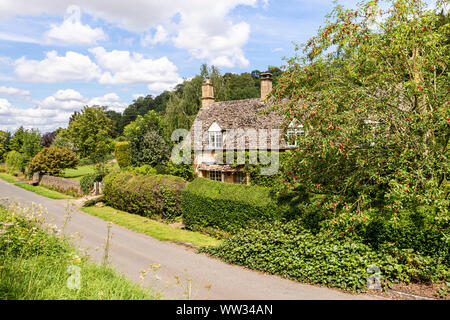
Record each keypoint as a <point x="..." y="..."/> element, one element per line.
<point x="371" y="91"/>
<point x="90" y="131"/>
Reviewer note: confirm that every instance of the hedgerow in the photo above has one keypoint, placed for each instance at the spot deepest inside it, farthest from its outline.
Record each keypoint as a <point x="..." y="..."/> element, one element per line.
<point x="225" y="206"/>
<point x="289" y="250"/>
<point x="153" y="195"/>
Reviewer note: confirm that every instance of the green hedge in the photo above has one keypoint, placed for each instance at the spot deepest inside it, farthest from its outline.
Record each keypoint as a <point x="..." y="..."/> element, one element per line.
<point x="225" y="206"/>
<point x="289" y="250"/>
<point x="156" y="195"/>
<point x="123" y="155"/>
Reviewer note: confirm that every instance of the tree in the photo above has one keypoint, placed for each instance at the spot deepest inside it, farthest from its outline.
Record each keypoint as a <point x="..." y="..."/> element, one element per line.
<point x="371" y="91"/>
<point x="3" y="143"/>
<point x="136" y="132"/>
<point x="32" y="142"/>
<point x="89" y="131"/>
<point x="47" y="138"/>
<point x="17" y="140"/>
<point x="52" y="161"/>
<point x="154" y="150"/>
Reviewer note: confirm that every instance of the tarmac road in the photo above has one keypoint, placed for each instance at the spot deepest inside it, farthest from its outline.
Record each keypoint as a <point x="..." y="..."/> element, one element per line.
<point x="131" y="252"/>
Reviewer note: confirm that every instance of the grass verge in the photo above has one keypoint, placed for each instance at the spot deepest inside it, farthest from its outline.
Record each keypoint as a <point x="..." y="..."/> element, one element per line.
<point x="38" y="268"/>
<point x="43" y="191"/>
<point x="81" y="171"/>
<point x="158" y="230"/>
<point x="8" y="178"/>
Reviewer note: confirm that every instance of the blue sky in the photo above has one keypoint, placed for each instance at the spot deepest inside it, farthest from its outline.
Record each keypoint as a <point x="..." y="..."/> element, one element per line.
<point x="56" y="56"/>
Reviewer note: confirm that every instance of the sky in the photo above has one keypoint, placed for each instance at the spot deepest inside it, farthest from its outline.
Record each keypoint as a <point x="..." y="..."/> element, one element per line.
<point x="58" y="56"/>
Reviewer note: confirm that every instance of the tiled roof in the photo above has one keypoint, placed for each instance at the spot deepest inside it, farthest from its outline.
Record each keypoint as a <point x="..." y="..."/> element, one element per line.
<point x="245" y="115"/>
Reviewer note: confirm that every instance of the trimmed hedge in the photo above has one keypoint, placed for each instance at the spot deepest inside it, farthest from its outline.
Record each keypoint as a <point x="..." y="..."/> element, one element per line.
<point x="155" y="195"/>
<point x="123" y="155"/>
<point x="228" y="207"/>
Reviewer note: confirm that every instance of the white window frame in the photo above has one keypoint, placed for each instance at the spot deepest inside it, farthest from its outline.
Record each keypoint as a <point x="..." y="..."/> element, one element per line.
<point x="215" y="136"/>
<point x="298" y="131"/>
<point x="215" y="139"/>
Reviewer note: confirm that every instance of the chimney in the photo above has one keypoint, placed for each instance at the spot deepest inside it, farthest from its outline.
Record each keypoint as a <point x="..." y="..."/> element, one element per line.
<point x="207" y="93"/>
<point x="266" y="84"/>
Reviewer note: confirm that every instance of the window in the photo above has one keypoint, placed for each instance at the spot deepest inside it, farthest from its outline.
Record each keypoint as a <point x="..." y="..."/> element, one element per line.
<point x="215" y="175"/>
<point x="291" y="136"/>
<point x="215" y="139"/>
<point x="241" y="177"/>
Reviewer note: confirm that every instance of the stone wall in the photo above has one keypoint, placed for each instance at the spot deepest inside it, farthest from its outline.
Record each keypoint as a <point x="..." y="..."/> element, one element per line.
<point x="61" y="184"/>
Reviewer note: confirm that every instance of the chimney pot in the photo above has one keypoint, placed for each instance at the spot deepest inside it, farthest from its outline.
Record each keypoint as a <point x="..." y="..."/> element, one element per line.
<point x="207" y="93"/>
<point x="266" y="84"/>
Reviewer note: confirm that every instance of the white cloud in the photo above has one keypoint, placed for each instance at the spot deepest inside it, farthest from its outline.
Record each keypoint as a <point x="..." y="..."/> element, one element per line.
<point x="54" y="68"/>
<point x="13" y="91"/>
<point x="205" y="28"/>
<point x="72" y="31"/>
<point x="54" y="111"/>
<point x="71" y="100"/>
<point x="122" y="67"/>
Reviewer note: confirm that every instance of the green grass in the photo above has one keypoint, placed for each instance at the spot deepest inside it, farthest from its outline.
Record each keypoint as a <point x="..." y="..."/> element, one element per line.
<point x="37" y="269"/>
<point x="81" y="171"/>
<point x="158" y="230"/>
<point x="8" y="178"/>
<point x="43" y="191"/>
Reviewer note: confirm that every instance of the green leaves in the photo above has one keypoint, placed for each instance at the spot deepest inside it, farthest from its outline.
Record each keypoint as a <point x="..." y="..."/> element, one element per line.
<point x="228" y="207"/>
<point x="52" y="161"/>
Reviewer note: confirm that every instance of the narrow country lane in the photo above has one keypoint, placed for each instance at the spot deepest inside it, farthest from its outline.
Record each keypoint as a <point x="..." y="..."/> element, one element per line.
<point x="132" y="252"/>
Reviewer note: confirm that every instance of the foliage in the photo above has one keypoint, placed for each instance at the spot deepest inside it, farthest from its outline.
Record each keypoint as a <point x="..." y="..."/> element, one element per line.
<point x="34" y="263"/>
<point x="146" y="143"/>
<point x="293" y="252"/>
<point x="52" y="161"/>
<point x="372" y="94"/>
<point x="89" y="131"/>
<point x="16" y="161"/>
<point x="228" y="207"/>
<point x="156" y="195"/>
<point x="17" y="140"/>
<point x="61" y="141"/>
<point x="87" y="182"/>
<point x="3" y="143"/>
<point x="122" y="153"/>
<point x="145" y="170"/>
<point x="185" y="171"/>
<point x="48" y="138"/>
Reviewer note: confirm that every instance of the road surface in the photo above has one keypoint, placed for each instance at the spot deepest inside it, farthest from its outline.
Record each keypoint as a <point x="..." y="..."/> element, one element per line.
<point x="131" y="252"/>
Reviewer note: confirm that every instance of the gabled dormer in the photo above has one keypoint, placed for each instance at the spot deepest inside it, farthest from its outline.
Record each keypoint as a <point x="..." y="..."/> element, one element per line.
<point x="215" y="136"/>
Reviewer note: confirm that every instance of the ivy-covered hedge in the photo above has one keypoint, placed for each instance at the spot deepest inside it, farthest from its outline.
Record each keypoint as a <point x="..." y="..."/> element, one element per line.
<point x="289" y="250"/>
<point x="227" y="207"/>
<point x="155" y="195"/>
<point x="123" y="155"/>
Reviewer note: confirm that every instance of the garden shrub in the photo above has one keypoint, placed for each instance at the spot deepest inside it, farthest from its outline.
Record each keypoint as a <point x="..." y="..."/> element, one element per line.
<point x="145" y="170"/>
<point x="185" y="171"/>
<point x="289" y="250"/>
<point x="123" y="155"/>
<point x="228" y="207"/>
<point x="154" y="195"/>
<point x="16" y="161"/>
<point x="52" y="161"/>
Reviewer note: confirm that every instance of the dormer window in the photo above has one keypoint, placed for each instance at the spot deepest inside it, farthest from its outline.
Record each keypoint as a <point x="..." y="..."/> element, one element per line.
<point x="292" y="133"/>
<point x="215" y="136"/>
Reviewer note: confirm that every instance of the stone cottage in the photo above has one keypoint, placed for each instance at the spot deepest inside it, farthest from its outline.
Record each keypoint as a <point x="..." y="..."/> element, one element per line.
<point x="238" y="125"/>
